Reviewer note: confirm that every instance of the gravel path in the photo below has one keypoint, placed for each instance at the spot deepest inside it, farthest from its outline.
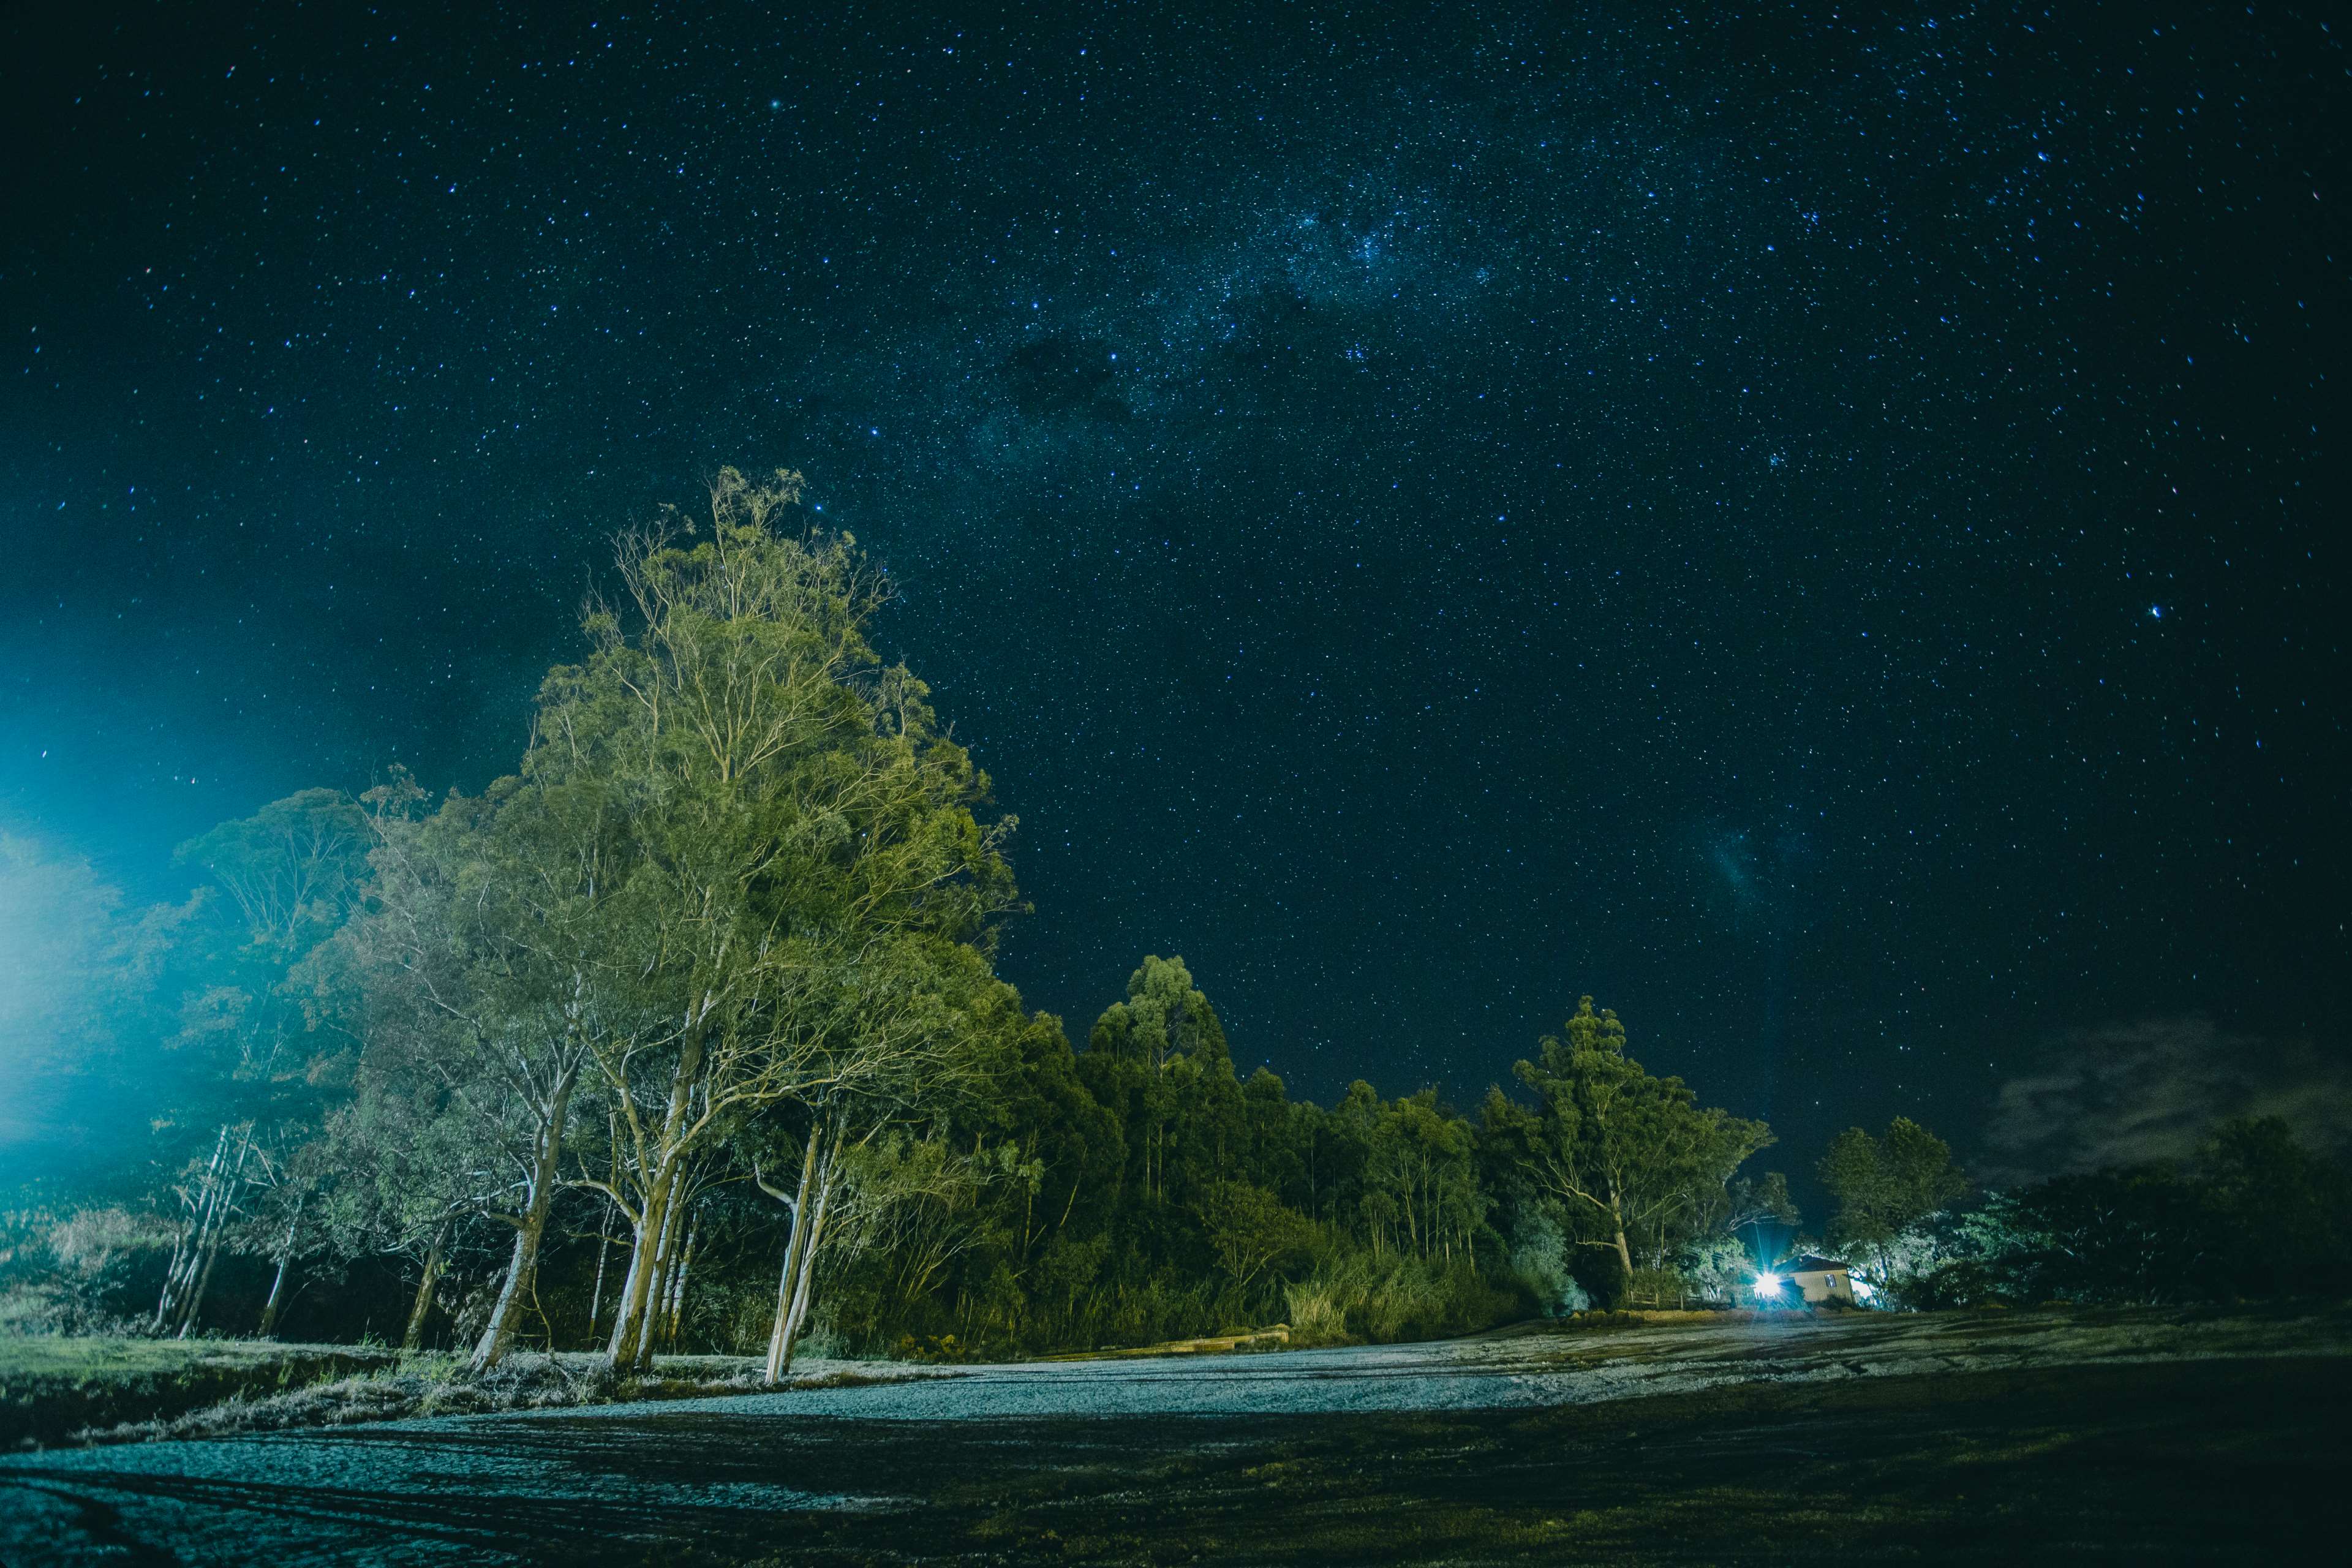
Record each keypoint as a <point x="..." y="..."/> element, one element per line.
<point x="471" y="1488"/>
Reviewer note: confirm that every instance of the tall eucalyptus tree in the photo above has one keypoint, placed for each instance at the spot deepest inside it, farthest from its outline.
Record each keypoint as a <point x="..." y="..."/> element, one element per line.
<point x="1619" y="1153"/>
<point x="800" y="873"/>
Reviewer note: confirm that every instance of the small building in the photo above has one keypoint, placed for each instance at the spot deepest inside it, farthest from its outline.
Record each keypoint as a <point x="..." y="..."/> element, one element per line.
<point x="1818" y="1279"/>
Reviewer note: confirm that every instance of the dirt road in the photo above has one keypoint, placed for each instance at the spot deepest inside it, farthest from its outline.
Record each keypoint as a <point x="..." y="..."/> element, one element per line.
<point x="1709" y="1441"/>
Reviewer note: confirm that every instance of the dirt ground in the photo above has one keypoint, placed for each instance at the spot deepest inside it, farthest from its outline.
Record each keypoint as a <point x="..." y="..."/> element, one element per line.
<point x="2166" y="1436"/>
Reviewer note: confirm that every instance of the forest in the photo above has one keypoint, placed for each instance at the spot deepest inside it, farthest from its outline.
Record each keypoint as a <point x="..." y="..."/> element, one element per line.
<point x="686" y="1035"/>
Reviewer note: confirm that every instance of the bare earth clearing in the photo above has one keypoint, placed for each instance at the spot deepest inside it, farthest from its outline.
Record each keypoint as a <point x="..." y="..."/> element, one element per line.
<point x="2171" y="1435"/>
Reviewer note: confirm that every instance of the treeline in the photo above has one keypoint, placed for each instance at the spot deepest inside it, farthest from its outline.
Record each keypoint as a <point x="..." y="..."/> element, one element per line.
<point x="686" y="1035"/>
<point x="2251" y="1216"/>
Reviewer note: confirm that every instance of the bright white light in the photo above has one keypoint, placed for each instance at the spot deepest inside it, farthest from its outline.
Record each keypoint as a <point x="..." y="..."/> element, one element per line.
<point x="1768" y="1284"/>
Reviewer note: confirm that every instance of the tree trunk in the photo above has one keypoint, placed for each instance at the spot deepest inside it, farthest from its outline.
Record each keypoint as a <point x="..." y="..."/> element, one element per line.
<point x="223" y="1196"/>
<point x="632" y="1346"/>
<point x="828" y="1177"/>
<point x="184" y="1250"/>
<point x="632" y="1341"/>
<point x="677" y="1290"/>
<point x="666" y="1266"/>
<point x="197" y="1297"/>
<point x="620" y="1302"/>
<point x="285" y="1261"/>
<point x="500" y="1332"/>
<point x="604" y="1252"/>
<point x="434" y="1257"/>
<point x="793" y="1244"/>
<point x="192" y="1255"/>
<point x="276" y="1298"/>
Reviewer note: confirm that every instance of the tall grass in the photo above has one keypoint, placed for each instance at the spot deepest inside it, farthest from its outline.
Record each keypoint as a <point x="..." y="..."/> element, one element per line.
<point x="1357" y="1295"/>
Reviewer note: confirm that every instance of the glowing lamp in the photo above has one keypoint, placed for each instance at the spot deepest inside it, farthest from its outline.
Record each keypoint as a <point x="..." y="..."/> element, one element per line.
<point x="1768" y="1284"/>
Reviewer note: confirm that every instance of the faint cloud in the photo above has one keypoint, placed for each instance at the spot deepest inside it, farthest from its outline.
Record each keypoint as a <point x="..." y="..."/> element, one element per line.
<point x="2152" y="1090"/>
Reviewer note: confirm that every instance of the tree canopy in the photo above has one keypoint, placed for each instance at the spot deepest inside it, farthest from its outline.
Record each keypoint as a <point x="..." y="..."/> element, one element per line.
<point x="687" y="1031"/>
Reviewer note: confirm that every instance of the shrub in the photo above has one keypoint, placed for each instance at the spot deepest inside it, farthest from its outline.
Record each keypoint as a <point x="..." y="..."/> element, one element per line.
<point x="75" y="1272"/>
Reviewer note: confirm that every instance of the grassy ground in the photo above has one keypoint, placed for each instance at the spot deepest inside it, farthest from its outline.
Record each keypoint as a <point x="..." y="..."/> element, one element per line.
<point x="52" y="1386"/>
<point x="2222" y="1460"/>
<point x="2233" y="1461"/>
<point x="2201" y="1460"/>
<point x="2163" y="1434"/>
<point x="56" y="1391"/>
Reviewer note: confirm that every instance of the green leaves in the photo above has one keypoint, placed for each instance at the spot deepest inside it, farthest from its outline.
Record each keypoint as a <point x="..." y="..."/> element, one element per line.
<point x="1165" y="1016"/>
<point x="1251" y="1230"/>
<point x="293" y="868"/>
<point x="1884" y="1186"/>
<point x="1627" y="1158"/>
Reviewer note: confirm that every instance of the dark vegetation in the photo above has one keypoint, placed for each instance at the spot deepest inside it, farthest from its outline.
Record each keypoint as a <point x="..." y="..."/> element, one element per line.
<point x="686" y="1038"/>
<point x="2251" y="1216"/>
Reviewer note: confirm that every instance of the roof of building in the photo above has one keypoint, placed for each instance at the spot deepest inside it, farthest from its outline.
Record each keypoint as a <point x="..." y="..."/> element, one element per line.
<point x="1811" y="1263"/>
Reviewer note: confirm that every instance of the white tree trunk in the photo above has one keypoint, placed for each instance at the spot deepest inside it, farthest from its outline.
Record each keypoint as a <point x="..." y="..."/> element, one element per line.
<point x="285" y="1261"/>
<point x="632" y="1345"/>
<point x="793" y="1245"/>
<point x="523" y="1268"/>
<point x="187" y="1248"/>
<point x="805" y="1287"/>
<point x="220" y="1200"/>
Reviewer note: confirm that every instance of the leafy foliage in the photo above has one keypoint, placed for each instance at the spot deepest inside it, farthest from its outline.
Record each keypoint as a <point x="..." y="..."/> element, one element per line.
<point x="2251" y="1216"/>
<point x="1884" y="1186"/>
<point x="686" y="1031"/>
<point x="1621" y="1161"/>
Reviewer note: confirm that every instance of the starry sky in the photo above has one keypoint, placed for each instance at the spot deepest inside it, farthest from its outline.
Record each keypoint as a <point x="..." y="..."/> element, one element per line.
<point x="1807" y="522"/>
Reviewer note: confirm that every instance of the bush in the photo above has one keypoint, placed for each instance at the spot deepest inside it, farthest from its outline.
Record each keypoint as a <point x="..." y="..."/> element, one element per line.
<point x="80" y="1272"/>
<point x="1600" y="1274"/>
<point x="1540" y="1257"/>
<point x="1319" y="1312"/>
<point x="2253" y="1216"/>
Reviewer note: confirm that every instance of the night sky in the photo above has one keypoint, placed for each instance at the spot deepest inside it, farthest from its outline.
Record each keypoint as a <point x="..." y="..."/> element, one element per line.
<point x="1822" y="527"/>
